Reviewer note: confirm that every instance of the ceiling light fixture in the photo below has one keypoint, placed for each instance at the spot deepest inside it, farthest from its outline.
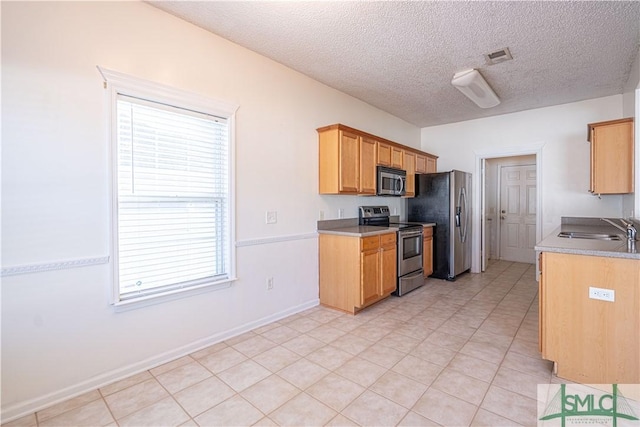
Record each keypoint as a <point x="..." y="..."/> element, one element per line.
<point x="471" y="83"/>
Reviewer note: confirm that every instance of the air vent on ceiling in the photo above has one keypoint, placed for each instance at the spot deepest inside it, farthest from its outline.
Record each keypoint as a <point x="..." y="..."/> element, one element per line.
<point x="498" y="56"/>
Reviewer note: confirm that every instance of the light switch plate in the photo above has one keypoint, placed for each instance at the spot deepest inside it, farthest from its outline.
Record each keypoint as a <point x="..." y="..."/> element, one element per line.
<point x="602" y="294"/>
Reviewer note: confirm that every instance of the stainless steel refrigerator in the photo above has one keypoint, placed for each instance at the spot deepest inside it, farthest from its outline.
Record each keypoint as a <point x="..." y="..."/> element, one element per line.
<point x="445" y="199"/>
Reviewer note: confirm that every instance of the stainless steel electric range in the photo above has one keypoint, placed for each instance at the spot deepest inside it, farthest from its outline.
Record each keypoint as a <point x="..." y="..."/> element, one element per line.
<point x="409" y="240"/>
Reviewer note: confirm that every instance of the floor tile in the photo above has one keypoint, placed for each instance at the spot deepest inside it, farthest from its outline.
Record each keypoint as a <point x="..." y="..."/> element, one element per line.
<point x="510" y="405"/>
<point x="462" y="386"/>
<point x="303" y="410"/>
<point x="92" y="414"/>
<point x="399" y="389"/>
<point x="303" y="344"/>
<point x="372" y="409"/>
<point x="276" y="358"/>
<point x="222" y="360"/>
<point x="352" y="344"/>
<point x="341" y="421"/>
<point x="304" y="324"/>
<point x="232" y="412"/>
<point x="136" y="397"/>
<point x="244" y="375"/>
<point x="208" y="350"/>
<point x="163" y="413"/>
<point x="125" y="383"/>
<point x="399" y="342"/>
<point x="335" y="391"/>
<point x="281" y="334"/>
<point x="67" y="405"/>
<point x="303" y="373"/>
<point x="529" y="365"/>
<point x="418" y="369"/>
<point x="452" y="342"/>
<point x="520" y="382"/>
<point x="474" y="367"/>
<point x="361" y="371"/>
<point x="383" y="356"/>
<point x="433" y="353"/>
<point x="26" y="421"/>
<point x="485" y="418"/>
<point x="204" y="395"/>
<point x="444" y="408"/>
<point x="330" y="357"/>
<point x="269" y="393"/>
<point x="171" y="365"/>
<point x="326" y="333"/>
<point x="416" y="420"/>
<point x="183" y="377"/>
<point x="254" y="345"/>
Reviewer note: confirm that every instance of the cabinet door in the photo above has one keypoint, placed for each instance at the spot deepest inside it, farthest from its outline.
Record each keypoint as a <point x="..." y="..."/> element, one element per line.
<point x="432" y="166"/>
<point x="349" y="163"/>
<point x="384" y="154"/>
<point x="397" y="157"/>
<point x="369" y="276"/>
<point x="410" y="168"/>
<point x="427" y="251"/>
<point x="421" y="163"/>
<point x="367" y="166"/>
<point x="611" y="157"/>
<point x="388" y="274"/>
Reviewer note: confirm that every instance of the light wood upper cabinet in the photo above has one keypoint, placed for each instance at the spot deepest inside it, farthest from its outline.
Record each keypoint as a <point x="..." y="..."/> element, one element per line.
<point x="348" y="160"/>
<point x="427" y="251"/>
<point x="368" y="175"/>
<point x="432" y="164"/>
<point x="590" y="340"/>
<point x="356" y="272"/>
<point x="397" y="158"/>
<point x="410" y="168"/>
<point x="347" y="163"/>
<point x="611" y="157"/>
<point x="384" y="154"/>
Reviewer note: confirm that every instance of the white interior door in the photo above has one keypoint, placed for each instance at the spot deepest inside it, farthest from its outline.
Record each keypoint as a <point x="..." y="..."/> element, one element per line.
<point x="518" y="213"/>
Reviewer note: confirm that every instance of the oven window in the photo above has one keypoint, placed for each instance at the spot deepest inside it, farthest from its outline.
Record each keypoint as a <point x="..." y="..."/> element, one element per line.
<point x="411" y="247"/>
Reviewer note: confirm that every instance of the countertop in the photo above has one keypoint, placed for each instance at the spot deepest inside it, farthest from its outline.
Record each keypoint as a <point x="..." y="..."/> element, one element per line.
<point x="350" y="227"/>
<point x="592" y="247"/>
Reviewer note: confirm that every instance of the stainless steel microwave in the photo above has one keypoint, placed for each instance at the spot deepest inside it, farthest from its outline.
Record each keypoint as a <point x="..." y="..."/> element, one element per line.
<point x="391" y="182"/>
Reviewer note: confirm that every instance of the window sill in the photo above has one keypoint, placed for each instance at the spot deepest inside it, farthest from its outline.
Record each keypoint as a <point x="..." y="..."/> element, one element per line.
<point x="147" y="300"/>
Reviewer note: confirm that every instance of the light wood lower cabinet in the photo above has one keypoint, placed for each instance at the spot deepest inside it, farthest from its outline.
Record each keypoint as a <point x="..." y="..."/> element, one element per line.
<point x="356" y="272"/>
<point x="590" y="340"/>
<point x="427" y="251"/>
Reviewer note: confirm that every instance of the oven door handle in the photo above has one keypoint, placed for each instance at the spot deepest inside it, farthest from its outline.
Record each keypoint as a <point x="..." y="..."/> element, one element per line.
<point x="404" y="234"/>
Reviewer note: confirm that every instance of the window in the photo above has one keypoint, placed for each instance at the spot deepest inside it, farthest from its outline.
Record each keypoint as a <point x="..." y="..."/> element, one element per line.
<point x="172" y="201"/>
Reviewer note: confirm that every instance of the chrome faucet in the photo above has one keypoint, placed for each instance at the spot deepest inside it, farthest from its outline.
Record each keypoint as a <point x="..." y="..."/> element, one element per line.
<point x="629" y="228"/>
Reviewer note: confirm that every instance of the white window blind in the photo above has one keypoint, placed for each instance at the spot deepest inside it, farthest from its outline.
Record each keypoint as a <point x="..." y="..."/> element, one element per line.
<point x="173" y="196"/>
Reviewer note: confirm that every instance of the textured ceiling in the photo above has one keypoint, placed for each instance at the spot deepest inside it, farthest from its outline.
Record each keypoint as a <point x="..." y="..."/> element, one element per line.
<point x="401" y="56"/>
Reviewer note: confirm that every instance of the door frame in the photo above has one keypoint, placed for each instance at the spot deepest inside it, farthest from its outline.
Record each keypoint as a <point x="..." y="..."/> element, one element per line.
<point x="499" y="204"/>
<point x="479" y="215"/>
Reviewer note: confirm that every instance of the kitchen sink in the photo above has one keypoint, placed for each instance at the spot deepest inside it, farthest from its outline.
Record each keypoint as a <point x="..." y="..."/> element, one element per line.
<point x="594" y="236"/>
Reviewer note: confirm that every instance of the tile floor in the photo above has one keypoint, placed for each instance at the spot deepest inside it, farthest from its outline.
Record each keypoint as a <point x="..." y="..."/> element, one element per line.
<point x="450" y="353"/>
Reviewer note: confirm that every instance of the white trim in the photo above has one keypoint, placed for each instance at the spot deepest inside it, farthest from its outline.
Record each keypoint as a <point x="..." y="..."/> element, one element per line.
<point x="277" y="239"/>
<point x="118" y="83"/>
<point x="51" y="266"/>
<point x="523" y="150"/>
<point x="21" y="409"/>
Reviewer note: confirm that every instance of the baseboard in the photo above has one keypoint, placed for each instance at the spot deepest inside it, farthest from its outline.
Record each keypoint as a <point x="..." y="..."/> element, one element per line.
<point x="21" y="409"/>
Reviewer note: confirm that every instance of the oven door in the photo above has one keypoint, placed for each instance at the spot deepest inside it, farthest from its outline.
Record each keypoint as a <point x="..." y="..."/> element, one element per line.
<point x="409" y="251"/>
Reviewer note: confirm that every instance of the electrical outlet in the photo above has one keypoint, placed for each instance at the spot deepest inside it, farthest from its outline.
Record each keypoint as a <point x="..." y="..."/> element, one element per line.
<point x="271" y="217"/>
<point x="340" y="213"/>
<point x="602" y="294"/>
<point x="270" y="283"/>
<point x="321" y="215"/>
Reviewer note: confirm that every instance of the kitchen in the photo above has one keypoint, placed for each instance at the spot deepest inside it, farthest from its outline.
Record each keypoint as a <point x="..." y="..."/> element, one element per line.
<point x="58" y="329"/>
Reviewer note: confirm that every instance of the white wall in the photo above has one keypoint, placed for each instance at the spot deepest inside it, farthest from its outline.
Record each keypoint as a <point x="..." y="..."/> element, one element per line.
<point x="60" y="336"/>
<point x="565" y="154"/>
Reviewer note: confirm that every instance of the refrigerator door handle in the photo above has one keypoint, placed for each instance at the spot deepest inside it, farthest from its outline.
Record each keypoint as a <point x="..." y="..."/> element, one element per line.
<point x="463" y="230"/>
<point x="458" y="209"/>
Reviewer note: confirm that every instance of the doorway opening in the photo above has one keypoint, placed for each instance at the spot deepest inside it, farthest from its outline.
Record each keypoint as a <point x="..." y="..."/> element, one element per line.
<point x="487" y="231"/>
<point x="510" y="188"/>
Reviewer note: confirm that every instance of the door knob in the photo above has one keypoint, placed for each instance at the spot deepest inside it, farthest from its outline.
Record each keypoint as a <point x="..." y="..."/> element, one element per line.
<point x="503" y="211"/>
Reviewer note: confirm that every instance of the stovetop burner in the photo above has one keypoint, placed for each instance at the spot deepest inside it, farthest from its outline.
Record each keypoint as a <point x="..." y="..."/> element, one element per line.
<point x="380" y="216"/>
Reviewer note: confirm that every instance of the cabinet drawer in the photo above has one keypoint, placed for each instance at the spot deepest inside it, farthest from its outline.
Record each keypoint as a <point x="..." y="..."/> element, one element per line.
<point x="369" y="243"/>
<point x="428" y="232"/>
<point x="387" y="239"/>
